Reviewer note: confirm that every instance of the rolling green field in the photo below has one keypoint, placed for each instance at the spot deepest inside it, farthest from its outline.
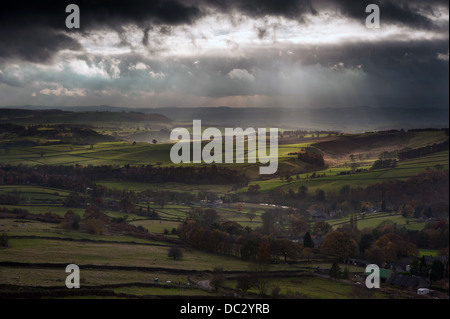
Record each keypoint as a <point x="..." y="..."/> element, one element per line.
<point x="38" y="242"/>
<point x="91" y="277"/>
<point x="429" y="252"/>
<point x="373" y="220"/>
<point x="313" y="288"/>
<point x="123" y="254"/>
<point x="334" y="182"/>
<point x="111" y="153"/>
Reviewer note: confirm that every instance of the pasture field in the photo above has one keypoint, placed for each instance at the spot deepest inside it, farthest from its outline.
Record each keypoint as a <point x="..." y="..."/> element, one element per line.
<point x="160" y="291"/>
<point x="334" y="182"/>
<point x="429" y="252"/>
<point x="311" y="287"/>
<point x="45" y="277"/>
<point x="113" y="254"/>
<point x="35" y="194"/>
<point x="132" y="282"/>
<point x="373" y="220"/>
<point x="107" y="153"/>
<point x="123" y="153"/>
<point x="60" y="210"/>
<point x="32" y="228"/>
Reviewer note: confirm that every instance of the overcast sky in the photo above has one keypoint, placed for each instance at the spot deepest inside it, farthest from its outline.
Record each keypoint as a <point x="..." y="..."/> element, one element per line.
<point x="291" y="53"/>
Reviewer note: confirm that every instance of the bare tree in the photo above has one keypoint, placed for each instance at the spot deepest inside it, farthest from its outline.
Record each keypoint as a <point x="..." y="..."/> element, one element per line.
<point x="217" y="279"/>
<point x="260" y="277"/>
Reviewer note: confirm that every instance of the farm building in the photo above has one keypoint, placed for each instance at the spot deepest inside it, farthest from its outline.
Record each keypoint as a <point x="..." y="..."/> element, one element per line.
<point x="407" y="282"/>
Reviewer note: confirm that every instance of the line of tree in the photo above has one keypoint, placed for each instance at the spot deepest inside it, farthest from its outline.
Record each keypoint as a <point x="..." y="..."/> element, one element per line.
<point x="72" y="134"/>
<point x="203" y="229"/>
<point x="313" y="158"/>
<point x="422" y="151"/>
<point x="427" y="192"/>
<point x="67" y="177"/>
<point x="384" y="163"/>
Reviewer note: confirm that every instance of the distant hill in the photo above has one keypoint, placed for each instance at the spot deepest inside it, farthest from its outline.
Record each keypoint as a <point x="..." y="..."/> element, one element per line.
<point x="82" y="118"/>
<point x="33" y="135"/>
<point x="351" y="119"/>
<point x="356" y="119"/>
<point x="381" y="141"/>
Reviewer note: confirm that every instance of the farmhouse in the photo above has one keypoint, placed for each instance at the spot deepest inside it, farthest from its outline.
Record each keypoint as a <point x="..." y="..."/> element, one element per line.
<point x="407" y="282"/>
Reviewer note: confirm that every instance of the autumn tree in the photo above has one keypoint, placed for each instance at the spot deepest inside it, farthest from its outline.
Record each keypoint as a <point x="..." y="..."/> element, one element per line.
<point x="375" y="255"/>
<point x="94" y="220"/>
<point x="71" y="220"/>
<point x="203" y="216"/>
<point x="322" y="227"/>
<point x="232" y="227"/>
<point x="298" y="225"/>
<point x="95" y="226"/>
<point x="395" y="247"/>
<point x="285" y="248"/>
<point x="254" y="189"/>
<point x="264" y="250"/>
<point x="95" y="212"/>
<point x="126" y="205"/>
<point x="407" y="210"/>
<point x="339" y="244"/>
<point x="365" y="242"/>
<point x="74" y="200"/>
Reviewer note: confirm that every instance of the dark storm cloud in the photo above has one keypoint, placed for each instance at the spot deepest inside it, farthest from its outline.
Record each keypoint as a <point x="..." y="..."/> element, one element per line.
<point x="398" y="73"/>
<point x="382" y="71"/>
<point x="34" y="44"/>
<point x="32" y="30"/>
<point x="293" y="9"/>
<point x="409" y="13"/>
<point x="97" y="13"/>
<point x="394" y="74"/>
